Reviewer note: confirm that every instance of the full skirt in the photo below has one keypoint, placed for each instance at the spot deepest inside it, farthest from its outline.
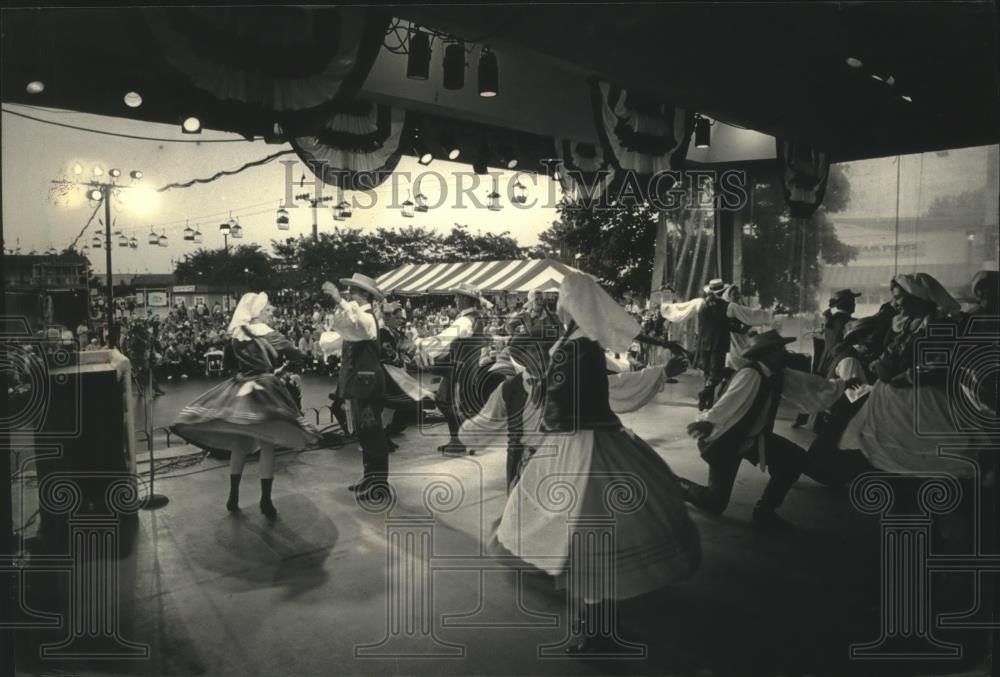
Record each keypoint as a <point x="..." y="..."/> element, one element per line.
<point x="256" y="408"/>
<point x="612" y="479"/>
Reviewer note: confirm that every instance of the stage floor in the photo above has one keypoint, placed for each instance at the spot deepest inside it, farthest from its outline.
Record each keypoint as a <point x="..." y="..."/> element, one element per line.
<point x="209" y="593"/>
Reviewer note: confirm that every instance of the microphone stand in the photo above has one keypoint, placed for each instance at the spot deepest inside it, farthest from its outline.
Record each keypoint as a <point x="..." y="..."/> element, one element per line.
<point x="153" y="500"/>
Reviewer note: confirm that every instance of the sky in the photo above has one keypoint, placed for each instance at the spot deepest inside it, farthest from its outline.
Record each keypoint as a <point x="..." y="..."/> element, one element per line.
<point x="35" y="154"/>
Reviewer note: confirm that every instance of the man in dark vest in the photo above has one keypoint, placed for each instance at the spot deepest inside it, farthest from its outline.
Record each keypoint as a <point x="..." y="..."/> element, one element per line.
<point x="835" y="318"/>
<point x="456" y="353"/>
<point x="713" y="339"/>
<point x="740" y="426"/>
<point x="362" y="381"/>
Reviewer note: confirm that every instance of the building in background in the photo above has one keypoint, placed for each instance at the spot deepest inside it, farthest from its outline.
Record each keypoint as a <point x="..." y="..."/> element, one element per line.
<point x="47" y="289"/>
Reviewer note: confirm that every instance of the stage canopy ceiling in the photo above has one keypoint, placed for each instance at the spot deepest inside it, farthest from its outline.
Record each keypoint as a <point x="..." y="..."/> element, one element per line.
<point x="489" y="277"/>
<point x="778" y="68"/>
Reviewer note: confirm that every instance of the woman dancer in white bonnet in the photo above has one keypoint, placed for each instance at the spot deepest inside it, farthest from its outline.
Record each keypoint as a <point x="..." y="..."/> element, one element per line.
<point x="585" y="445"/>
<point x="253" y="408"/>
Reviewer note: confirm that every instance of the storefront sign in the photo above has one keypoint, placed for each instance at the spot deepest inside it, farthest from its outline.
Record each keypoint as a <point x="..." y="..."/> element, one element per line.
<point x="157" y="299"/>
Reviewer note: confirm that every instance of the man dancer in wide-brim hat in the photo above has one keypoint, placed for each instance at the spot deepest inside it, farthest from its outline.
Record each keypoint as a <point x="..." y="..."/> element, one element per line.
<point x="740" y="426"/>
<point x="362" y="379"/>
<point x="456" y="353"/>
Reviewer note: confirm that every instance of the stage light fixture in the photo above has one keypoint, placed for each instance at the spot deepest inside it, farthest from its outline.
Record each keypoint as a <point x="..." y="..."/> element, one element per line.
<point x="191" y="125"/>
<point x="135" y="174"/>
<point x="98" y="171"/>
<point x="454" y="66"/>
<point x="702" y="132"/>
<point x="489" y="73"/>
<point x="95" y="195"/>
<point x="452" y="148"/>
<point x="115" y="173"/>
<point x="418" y="62"/>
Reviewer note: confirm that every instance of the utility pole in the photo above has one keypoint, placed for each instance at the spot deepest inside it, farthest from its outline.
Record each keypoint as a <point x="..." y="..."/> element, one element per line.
<point x="109" y="310"/>
<point x="314" y="202"/>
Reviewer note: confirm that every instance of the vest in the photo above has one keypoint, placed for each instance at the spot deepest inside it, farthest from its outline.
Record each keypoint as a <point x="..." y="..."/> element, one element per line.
<point x="462" y="361"/>
<point x="576" y="389"/>
<point x="361" y="376"/>
<point x="732" y="439"/>
<point x="713" y="325"/>
<point x="833" y="332"/>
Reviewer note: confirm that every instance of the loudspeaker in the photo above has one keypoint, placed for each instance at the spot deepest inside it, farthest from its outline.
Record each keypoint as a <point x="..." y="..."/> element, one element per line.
<point x="84" y="443"/>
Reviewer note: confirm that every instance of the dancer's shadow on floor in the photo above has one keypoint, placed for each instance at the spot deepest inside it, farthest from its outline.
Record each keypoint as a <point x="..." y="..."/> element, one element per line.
<point x="249" y="551"/>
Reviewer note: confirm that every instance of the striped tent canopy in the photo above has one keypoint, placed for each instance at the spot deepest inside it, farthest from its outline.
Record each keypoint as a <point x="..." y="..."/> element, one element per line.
<point x="520" y="275"/>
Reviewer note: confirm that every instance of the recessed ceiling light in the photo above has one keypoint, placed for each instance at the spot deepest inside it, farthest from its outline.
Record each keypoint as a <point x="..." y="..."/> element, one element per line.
<point x="35" y="87"/>
<point x="854" y="62"/>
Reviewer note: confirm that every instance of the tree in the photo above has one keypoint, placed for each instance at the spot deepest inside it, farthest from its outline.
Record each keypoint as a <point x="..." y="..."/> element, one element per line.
<point x="616" y="245"/>
<point x="217" y="267"/>
<point x="773" y="249"/>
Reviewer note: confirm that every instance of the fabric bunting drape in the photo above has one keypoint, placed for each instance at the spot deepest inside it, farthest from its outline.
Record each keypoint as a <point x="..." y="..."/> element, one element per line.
<point x="356" y="149"/>
<point x="587" y="171"/>
<point x="640" y="135"/>
<point x="521" y="275"/>
<point x="286" y="65"/>
<point x="804" y="173"/>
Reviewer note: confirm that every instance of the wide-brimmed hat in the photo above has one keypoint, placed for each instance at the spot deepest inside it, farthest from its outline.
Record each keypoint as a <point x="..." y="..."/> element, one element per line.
<point x="863" y="329"/>
<point x="391" y="307"/>
<point x="363" y="282"/>
<point x="716" y="286"/>
<point x="466" y="289"/>
<point x="765" y="341"/>
<point x="843" y="294"/>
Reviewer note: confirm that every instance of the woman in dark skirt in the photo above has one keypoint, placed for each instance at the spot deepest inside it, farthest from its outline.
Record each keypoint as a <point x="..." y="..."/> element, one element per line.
<point x="253" y="409"/>
<point x="589" y="467"/>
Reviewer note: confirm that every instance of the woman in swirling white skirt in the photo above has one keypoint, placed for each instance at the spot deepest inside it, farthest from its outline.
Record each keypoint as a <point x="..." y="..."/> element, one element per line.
<point x="589" y="466"/>
<point x="253" y="408"/>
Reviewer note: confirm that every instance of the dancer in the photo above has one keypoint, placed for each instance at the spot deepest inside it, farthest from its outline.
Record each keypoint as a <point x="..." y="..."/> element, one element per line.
<point x="740" y="425"/>
<point x="585" y="446"/>
<point x="456" y="353"/>
<point x="362" y="380"/>
<point x="718" y="312"/>
<point x="252" y="409"/>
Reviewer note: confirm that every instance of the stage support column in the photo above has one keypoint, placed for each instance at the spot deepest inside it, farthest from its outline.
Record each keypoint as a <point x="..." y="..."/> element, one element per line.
<point x="661" y="260"/>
